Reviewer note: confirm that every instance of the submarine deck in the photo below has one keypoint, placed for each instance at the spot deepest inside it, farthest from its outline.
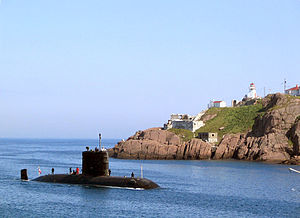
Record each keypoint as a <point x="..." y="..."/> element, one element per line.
<point x="114" y="181"/>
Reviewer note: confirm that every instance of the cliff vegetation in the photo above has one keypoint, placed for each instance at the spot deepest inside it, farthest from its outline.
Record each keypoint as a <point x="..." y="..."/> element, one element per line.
<point x="184" y="134"/>
<point x="231" y="119"/>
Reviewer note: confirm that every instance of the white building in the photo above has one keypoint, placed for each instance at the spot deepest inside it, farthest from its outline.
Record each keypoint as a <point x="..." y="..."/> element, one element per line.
<point x="252" y="92"/>
<point x="217" y="104"/>
<point x="185" y="121"/>
<point x="295" y="91"/>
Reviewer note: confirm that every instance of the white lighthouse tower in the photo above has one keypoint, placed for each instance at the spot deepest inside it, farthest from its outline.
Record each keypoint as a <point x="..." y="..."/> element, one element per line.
<point x="252" y="92"/>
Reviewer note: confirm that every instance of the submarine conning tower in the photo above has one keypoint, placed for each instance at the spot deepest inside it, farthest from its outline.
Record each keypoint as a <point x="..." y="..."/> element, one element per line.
<point x="95" y="163"/>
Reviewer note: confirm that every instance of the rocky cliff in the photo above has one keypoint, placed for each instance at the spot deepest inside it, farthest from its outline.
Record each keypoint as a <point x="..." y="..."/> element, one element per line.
<point x="274" y="137"/>
<point x="156" y="143"/>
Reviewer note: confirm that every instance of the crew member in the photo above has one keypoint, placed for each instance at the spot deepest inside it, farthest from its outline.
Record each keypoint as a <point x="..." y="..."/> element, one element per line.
<point x="39" y="170"/>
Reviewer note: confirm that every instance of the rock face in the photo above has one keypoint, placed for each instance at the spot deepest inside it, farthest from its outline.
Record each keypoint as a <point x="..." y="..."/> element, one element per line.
<point x="294" y="135"/>
<point x="274" y="137"/>
<point x="227" y="147"/>
<point x="281" y="113"/>
<point x="156" y="143"/>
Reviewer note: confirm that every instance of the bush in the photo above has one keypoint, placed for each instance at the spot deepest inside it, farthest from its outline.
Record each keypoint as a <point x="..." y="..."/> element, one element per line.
<point x="184" y="134"/>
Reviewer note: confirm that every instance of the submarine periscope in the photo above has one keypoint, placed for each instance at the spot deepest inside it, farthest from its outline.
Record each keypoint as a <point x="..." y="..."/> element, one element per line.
<point x="95" y="172"/>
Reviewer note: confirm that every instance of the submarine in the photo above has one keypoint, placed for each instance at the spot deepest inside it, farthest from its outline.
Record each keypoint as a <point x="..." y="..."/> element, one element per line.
<point x="95" y="172"/>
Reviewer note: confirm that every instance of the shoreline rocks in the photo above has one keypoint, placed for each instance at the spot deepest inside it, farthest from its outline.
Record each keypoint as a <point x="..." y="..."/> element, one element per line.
<point x="156" y="143"/>
<point x="274" y="137"/>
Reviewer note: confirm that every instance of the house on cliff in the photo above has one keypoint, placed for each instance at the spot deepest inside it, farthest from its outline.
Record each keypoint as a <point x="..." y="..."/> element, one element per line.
<point x="216" y="104"/>
<point x="295" y="91"/>
<point x="185" y="121"/>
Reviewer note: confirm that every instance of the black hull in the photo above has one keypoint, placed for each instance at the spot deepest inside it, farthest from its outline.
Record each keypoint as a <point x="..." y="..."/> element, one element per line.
<point x="109" y="181"/>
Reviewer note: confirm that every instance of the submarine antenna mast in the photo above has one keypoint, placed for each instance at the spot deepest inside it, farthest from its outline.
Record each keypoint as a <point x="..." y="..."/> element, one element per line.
<point x="100" y="141"/>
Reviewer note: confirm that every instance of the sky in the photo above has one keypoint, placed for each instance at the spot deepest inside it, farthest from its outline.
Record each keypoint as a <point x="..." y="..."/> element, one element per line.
<point x="72" y="69"/>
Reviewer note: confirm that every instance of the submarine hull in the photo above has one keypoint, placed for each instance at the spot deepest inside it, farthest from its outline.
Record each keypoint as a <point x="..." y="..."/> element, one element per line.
<point x="109" y="181"/>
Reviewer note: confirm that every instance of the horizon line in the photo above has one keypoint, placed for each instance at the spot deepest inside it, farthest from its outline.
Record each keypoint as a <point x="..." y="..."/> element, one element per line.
<point x="59" y="138"/>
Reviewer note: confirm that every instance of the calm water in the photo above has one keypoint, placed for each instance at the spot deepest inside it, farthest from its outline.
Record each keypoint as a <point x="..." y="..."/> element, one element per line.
<point x="188" y="188"/>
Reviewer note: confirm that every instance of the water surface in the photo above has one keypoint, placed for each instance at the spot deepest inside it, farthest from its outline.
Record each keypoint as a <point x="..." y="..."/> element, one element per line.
<point x="188" y="188"/>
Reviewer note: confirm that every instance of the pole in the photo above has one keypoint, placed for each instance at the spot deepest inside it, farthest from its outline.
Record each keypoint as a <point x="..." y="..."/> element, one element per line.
<point x="284" y="85"/>
<point x="99" y="141"/>
<point x="141" y="171"/>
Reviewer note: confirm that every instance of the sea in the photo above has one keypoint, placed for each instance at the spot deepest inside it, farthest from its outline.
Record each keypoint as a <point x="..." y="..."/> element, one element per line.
<point x="205" y="188"/>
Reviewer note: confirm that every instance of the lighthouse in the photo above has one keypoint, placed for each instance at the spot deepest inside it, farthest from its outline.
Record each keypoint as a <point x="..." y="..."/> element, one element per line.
<point x="252" y="92"/>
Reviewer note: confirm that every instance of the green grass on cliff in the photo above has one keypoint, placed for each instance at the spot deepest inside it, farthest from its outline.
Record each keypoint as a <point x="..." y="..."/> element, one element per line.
<point x="184" y="134"/>
<point x="233" y="119"/>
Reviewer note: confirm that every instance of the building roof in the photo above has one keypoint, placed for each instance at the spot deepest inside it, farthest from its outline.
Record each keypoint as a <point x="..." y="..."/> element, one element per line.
<point x="218" y="101"/>
<point x="294" y="88"/>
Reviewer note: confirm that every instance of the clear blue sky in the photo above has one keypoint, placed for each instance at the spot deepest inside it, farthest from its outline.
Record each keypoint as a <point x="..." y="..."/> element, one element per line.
<point x="71" y="69"/>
